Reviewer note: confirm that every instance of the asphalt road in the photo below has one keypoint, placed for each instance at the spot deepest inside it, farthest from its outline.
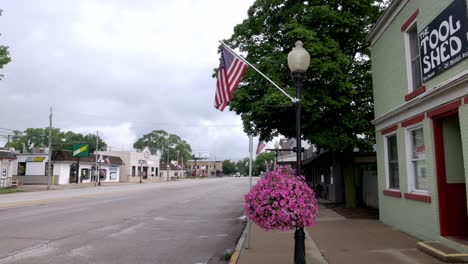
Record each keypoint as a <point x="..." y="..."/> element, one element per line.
<point x="189" y="221"/>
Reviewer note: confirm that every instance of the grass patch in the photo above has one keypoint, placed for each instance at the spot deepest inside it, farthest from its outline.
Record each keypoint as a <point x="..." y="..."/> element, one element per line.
<point x="227" y="256"/>
<point x="8" y="190"/>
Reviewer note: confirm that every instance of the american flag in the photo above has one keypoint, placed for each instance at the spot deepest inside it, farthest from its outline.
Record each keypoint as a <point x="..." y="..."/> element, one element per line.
<point x="260" y="147"/>
<point x="231" y="70"/>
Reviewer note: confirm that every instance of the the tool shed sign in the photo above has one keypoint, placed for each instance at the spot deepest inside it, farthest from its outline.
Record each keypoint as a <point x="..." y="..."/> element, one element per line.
<point x="443" y="43"/>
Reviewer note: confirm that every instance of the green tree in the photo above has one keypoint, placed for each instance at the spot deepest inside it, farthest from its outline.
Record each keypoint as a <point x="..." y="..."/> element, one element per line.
<point x="161" y="140"/>
<point x="69" y="138"/>
<point x="337" y="103"/>
<point x="39" y="137"/>
<point x="259" y="163"/>
<point x="229" y="167"/>
<point x="4" y="55"/>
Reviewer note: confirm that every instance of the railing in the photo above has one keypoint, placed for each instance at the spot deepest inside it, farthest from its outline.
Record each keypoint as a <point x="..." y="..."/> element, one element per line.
<point x="7" y="182"/>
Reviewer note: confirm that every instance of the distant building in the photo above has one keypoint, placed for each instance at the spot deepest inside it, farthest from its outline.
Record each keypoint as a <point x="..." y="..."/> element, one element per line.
<point x="343" y="177"/>
<point x="204" y="168"/>
<point x="33" y="168"/>
<point x="172" y="172"/>
<point x="136" y="164"/>
<point x="285" y="156"/>
<point x="7" y="158"/>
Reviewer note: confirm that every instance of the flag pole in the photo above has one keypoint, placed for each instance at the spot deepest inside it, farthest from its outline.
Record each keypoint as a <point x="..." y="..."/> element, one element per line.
<point x="294" y="100"/>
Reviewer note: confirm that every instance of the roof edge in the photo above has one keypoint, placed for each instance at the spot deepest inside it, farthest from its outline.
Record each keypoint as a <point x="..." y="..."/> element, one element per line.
<point x="382" y="23"/>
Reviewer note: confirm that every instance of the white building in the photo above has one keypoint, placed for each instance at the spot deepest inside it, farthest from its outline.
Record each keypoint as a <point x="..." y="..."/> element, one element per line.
<point x="173" y="172"/>
<point x="33" y="168"/>
<point x="137" y="164"/>
<point x="6" y="169"/>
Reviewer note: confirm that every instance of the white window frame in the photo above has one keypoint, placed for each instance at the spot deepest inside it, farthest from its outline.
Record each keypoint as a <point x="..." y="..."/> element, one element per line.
<point x="409" y="65"/>
<point x="387" y="167"/>
<point x="409" y="160"/>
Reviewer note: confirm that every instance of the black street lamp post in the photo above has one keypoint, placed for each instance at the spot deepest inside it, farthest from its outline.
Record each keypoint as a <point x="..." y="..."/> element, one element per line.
<point x="298" y="62"/>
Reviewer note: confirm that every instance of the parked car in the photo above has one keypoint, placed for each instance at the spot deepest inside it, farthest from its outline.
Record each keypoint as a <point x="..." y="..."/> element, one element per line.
<point x="237" y="174"/>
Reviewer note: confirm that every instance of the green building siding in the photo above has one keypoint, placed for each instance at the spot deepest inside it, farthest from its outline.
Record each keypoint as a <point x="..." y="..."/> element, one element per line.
<point x="390" y="87"/>
<point x="417" y="218"/>
<point x="389" y="73"/>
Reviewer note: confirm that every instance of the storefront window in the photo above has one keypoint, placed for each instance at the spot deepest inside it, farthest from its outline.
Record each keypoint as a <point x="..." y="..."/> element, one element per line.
<point x="102" y="174"/>
<point x="418" y="160"/>
<point x="21" y="168"/>
<point x="85" y="174"/>
<point x="392" y="162"/>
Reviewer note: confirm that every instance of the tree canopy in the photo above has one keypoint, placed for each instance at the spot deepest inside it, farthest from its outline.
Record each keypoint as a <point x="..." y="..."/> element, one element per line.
<point x="161" y="140"/>
<point x="4" y="55"/>
<point x="337" y="103"/>
<point x="259" y="163"/>
<point x="229" y="167"/>
<point x="39" y="138"/>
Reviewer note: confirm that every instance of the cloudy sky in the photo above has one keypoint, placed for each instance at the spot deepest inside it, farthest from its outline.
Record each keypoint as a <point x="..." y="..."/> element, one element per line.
<point x="122" y="67"/>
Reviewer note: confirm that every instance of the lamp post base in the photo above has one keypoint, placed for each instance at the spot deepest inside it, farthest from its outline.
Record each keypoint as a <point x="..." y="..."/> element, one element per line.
<point x="299" y="246"/>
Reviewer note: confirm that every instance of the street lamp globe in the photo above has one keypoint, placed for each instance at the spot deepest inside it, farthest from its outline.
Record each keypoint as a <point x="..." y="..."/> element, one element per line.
<point x="298" y="58"/>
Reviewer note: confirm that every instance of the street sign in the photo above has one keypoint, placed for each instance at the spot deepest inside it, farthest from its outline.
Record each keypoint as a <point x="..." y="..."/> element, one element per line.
<point x="142" y="161"/>
<point x="80" y="150"/>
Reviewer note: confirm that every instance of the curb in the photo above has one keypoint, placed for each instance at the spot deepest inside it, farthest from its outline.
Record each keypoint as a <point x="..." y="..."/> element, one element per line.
<point x="313" y="254"/>
<point x="239" y="246"/>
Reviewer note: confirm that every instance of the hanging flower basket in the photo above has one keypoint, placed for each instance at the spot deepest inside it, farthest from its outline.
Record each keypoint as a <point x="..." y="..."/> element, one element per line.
<point x="281" y="201"/>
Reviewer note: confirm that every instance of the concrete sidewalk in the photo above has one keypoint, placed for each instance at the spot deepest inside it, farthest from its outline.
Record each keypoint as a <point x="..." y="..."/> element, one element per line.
<point x="275" y="247"/>
<point x="335" y="240"/>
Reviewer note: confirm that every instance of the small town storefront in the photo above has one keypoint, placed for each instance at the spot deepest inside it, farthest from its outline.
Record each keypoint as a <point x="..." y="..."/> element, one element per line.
<point x="66" y="169"/>
<point x="420" y="84"/>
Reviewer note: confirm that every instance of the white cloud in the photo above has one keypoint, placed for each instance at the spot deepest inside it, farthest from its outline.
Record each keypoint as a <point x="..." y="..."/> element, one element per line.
<point x="122" y="67"/>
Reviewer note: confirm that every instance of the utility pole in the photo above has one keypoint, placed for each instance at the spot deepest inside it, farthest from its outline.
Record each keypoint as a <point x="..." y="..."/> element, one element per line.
<point x="49" y="171"/>
<point x="98" y="180"/>
<point x="209" y="164"/>
<point x="167" y="164"/>
<point x="178" y="165"/>
<point x="141" y="170"/>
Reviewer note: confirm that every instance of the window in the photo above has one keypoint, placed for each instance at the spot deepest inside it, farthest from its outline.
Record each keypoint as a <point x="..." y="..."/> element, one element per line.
<point x="393" y="179"/>
<point x="21" y="168"/>
<point x="413" y="58"/>
<point x="46" y="171"/>
<point x="417" y="175"/>
<point x="102" y="174"/>
<point x="156" y="171"/>
<point x="133" y="170"/>
<point x="85" y="174"/>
